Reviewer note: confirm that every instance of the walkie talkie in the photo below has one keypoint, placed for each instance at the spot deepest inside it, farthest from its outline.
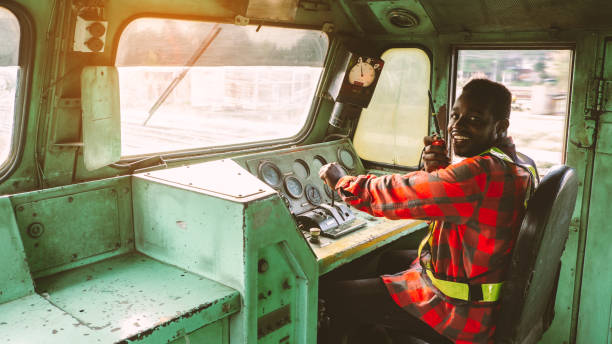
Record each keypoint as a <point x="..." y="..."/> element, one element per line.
<point x="439" y="141"/>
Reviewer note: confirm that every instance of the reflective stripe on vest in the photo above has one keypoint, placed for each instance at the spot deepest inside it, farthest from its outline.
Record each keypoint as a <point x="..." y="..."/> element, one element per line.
<point x="459" y="290"/>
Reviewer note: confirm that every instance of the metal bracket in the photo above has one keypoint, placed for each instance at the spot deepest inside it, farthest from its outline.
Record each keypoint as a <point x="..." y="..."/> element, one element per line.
<point x="241" y="20"/>
<point x="599" y="95"/>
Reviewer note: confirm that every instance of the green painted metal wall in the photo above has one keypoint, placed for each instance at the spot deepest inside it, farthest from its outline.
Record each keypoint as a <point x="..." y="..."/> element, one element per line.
<point x="583" y="301"/>
<point x="595" y="313"/>
<point x="15" y="279"/>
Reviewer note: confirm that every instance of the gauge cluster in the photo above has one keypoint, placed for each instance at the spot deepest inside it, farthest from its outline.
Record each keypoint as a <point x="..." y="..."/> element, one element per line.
<point x="294" y="172"/>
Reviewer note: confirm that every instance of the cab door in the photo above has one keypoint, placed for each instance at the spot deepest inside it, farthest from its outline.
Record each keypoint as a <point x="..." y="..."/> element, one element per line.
<point x="595" y="312"/>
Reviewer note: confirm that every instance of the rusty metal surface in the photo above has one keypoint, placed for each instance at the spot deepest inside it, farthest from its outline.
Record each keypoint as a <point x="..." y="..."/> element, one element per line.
<point x="130" y="298"/>
<point x="32" y="319"/>
<point x="72" y="227"/>
<point x="223" y="238"/>
<point x="97" y="210"/>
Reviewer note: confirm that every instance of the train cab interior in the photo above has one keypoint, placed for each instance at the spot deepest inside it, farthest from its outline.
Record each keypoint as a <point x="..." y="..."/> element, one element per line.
<point x="159" y="160"/>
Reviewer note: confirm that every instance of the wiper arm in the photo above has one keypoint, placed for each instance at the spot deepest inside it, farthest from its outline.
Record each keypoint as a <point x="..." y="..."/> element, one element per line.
<point x="192" y="61"/>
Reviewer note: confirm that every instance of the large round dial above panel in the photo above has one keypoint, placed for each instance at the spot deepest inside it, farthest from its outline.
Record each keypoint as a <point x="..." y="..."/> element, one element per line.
<point x="293" y="187"/>
<point x="346" y="158"/>
<point x="318" y="162"/>
<point x="300" y="168"/>
<point x="270" y="174"/>
<point x="312" y="194"/>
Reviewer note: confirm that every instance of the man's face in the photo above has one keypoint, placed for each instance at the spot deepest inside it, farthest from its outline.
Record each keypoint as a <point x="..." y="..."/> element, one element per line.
<point x="472" y="127"/>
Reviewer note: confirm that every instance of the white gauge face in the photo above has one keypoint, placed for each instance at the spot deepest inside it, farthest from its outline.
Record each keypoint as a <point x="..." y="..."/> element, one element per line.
<point x="362" y="74"/>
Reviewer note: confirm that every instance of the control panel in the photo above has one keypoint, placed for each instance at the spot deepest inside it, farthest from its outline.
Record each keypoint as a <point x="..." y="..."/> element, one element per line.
<point x="294" y="174"/>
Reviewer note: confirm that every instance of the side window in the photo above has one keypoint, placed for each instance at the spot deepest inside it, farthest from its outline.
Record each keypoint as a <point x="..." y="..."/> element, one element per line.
<point x="9" y="72"/>
<point x="539" y="83"/>
<point x="249" y="84"/>
<point x="391" y="129"/>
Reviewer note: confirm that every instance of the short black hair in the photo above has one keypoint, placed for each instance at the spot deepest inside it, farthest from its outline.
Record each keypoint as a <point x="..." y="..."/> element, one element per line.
<point x="500" y="98"/>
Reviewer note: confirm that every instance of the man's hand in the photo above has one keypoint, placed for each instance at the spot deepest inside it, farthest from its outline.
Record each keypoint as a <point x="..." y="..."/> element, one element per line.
<point x="434" y="157"/>
<point x="331" y="173"/>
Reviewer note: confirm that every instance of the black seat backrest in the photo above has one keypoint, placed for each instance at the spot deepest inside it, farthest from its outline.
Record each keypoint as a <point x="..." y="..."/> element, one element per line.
<point x="531" y="284"/>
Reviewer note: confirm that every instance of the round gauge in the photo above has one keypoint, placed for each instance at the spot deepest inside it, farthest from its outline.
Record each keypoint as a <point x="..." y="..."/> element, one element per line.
<point x="331" y="193"/>
<point x="317" y="163"/>
<point x="293" y="187"/>
<point x="346" y="158"/>
<point x="312" y="194"/>
<point x="362" y="74"/>
<point x="300" y="168"/>
<point x="270" y="174"/>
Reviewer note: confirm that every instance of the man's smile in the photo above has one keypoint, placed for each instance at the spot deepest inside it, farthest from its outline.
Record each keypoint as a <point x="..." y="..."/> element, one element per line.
<point x="460" y="138"/>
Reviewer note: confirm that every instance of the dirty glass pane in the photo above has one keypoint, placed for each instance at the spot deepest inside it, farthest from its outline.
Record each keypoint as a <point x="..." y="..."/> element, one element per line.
<point x="9" y="52"/>
<point x="391" y="129"/>
<point x="539" y="82"/>
<point x="251" y="84"/>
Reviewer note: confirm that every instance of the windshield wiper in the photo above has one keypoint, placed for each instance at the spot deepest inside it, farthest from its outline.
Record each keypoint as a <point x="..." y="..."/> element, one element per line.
<point x="192" y="61"/>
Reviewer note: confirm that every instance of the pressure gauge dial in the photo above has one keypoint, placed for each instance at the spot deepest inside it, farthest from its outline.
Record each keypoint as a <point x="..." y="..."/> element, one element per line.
<point x="293" y="187"/>
<point x="313" y="195"/>
<point x="363" y="73"/>
<point x="270" y="173"/>
<point x="300" y="168"/>
<point x="317" y="162"/>
<point x="346" y="158"/>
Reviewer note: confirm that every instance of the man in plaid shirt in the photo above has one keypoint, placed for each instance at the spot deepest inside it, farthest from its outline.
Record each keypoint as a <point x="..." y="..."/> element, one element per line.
<point x="475" y="207"/>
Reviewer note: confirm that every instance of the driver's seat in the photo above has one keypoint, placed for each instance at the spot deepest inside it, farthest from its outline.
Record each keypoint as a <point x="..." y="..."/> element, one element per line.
<point x="528" y="296"/>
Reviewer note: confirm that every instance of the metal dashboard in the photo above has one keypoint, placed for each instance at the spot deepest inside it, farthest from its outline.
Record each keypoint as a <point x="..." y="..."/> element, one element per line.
<point x="294" y="174"/>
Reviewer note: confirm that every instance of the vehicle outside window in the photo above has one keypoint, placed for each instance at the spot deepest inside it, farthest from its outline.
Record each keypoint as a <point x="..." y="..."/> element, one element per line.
<point x="539" y="81"/>
<point x="9" y="72"/>
<point x="249" y="84"/>
<point x="391" y="129"/>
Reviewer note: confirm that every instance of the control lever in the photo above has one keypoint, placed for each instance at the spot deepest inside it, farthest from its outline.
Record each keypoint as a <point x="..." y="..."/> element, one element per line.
<point x="331" y="221"/>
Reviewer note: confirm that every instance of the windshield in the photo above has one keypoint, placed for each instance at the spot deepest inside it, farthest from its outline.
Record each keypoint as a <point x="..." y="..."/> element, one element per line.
<point x="189" y="84"/>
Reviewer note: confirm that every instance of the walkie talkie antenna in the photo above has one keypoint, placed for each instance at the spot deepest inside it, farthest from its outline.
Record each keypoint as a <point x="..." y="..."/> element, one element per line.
<point x="433" y="114"/>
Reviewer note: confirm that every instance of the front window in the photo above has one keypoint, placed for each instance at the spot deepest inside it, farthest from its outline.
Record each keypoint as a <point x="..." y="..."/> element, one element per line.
<point x="9" y="71"/>
<point x="182" y="87"/>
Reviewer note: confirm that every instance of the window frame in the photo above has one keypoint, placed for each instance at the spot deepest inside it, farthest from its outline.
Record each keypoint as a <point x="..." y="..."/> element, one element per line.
<point x="27" y="45"/>
<point x="452" y="87"/>
<point x="369" y="164"/>
<point x="247" y="147"/>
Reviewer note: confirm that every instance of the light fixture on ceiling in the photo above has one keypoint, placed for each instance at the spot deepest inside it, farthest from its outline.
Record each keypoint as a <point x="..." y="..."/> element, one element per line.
<point x="402" y="18"/>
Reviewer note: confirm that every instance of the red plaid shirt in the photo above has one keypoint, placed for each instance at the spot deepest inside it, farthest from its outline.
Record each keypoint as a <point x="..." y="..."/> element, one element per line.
<point x="478" y="204"/>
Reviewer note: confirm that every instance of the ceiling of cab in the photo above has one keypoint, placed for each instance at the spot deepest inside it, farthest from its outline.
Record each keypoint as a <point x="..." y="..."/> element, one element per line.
<point x="446" y="16"/>
<point x="518" y="15"/>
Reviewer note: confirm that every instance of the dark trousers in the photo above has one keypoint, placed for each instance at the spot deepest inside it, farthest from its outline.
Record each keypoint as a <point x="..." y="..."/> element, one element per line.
<point x="354" y="304"/>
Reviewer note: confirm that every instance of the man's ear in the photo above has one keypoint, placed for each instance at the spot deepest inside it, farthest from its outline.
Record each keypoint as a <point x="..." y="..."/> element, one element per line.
<point x="501" y="127"/>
